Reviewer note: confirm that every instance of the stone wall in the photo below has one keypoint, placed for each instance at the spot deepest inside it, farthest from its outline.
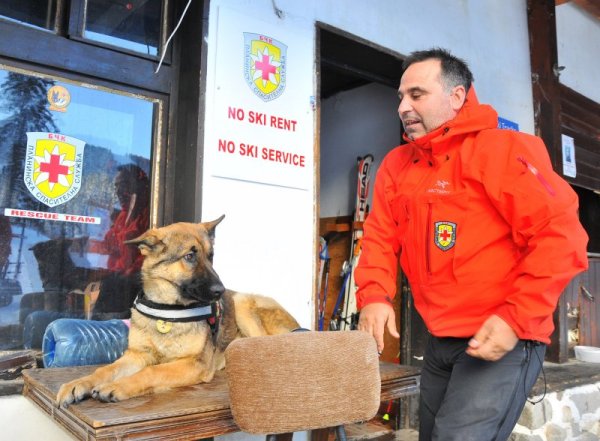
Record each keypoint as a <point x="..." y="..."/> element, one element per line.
<point x="570" y="414"/>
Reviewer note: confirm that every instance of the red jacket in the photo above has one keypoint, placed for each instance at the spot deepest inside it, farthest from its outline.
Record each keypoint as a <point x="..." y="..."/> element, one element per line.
<point x="122" y="257"/>
<point x="482" y="226"/>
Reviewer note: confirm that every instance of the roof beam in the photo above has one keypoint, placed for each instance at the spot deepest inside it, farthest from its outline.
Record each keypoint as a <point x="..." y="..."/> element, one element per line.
<point x="592" y="7"/>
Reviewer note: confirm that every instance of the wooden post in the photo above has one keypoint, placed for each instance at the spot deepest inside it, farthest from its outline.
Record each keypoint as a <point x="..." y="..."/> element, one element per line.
<point x="541" y="18"/>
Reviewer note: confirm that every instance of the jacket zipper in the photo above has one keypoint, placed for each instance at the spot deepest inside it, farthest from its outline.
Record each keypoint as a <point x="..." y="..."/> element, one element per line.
<point x="427" y="242"/>
<point x="538" y="175"/>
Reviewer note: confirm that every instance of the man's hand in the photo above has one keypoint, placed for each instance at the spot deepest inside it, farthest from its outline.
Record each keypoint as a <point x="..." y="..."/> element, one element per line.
<point x="374" y="317"/>
<point x="494" y="339"/>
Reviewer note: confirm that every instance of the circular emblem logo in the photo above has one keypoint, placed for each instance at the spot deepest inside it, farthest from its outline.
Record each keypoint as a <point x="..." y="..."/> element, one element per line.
<point x="59" y="98"/>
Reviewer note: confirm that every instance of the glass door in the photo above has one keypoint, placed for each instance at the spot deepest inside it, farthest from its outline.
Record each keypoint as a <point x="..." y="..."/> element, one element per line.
<point x="76" y="167"/>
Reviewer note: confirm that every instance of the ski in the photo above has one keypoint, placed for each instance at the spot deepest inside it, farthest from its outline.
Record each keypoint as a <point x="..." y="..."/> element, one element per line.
<point x="323" y="285"/>
<point x="349" y="319"/>
<point x="335" y="322"/>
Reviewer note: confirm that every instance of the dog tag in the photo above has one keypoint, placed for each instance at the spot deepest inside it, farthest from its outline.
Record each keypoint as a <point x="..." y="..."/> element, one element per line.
<point x="163" y="327"/>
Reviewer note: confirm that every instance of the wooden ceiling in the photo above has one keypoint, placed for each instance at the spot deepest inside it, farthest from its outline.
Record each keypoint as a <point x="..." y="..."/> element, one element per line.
<point x="592" y="7"/>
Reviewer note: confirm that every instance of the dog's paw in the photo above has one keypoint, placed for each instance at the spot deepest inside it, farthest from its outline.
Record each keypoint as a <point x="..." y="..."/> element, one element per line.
<point x="110" y="393"/>
<point x="73" y="392"/>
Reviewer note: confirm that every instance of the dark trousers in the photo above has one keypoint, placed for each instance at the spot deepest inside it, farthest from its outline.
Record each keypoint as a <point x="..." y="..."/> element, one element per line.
<point x="468" y="399"/>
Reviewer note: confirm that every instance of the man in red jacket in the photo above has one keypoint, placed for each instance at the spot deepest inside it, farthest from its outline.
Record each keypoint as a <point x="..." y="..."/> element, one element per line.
<point x="488" y="236"/>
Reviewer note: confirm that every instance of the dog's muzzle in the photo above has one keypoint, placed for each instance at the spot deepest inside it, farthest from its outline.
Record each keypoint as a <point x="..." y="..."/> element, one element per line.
<point x="203" y="290"/>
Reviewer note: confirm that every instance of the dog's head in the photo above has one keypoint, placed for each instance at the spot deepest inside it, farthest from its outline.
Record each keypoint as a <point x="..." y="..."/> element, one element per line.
<point x="177" y="266"/>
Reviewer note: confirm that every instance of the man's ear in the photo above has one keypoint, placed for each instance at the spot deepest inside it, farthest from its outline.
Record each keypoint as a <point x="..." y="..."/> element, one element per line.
<point x="458" y="97"/>
<point x="147" y="243"/>
<point x="211" y="226"/>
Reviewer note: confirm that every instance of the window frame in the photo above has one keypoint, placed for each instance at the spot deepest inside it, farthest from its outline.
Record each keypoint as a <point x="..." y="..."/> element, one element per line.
<point x="179" y="86"/>
<point x="158" y="153"/>
<point x="180" y="83"/>
<point x="39" y="51"/>
<point x="63" y="51"/>
<point x="76" y="30"/>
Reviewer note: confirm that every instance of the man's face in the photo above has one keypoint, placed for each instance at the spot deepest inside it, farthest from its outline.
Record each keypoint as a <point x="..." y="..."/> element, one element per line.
<point x="424" y="103"/>
<point x="123" y="188"/>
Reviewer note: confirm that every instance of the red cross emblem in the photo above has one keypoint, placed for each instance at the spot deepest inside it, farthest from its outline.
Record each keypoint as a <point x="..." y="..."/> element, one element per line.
<point x="265" y="68"/>
<point x="445" y="235"/>
<point x="54" y="168"/>
<point x="264" y="65"/>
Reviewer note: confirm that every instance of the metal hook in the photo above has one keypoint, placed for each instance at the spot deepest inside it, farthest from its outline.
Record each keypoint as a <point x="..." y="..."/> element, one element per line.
<point x="588" y="295"/>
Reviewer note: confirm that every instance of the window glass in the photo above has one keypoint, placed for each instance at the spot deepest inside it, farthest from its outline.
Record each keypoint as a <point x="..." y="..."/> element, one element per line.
<point x="74" y="185"/>
<point x="132" y="25"/>
<point x="39" y="13"/>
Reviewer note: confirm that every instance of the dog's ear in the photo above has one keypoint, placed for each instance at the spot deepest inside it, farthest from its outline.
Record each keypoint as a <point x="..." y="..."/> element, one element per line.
<point x="211" y="226"/>
<point x="147" y="242"/>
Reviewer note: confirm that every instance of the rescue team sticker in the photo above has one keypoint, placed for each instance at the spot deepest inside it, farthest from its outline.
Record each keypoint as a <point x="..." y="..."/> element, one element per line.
<point x="445" y="235"/>
<point x="264" y="65"/>
<point x="60" y="217"/>
<point x="53" y="167"/>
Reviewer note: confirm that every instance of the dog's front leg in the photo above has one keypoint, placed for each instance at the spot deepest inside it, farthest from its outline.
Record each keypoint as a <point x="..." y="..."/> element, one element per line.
<point x="156" y="378"/>
<point x="81" y="388"/>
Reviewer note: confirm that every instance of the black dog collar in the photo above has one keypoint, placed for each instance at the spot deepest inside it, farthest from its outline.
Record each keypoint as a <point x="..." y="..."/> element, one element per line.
<point x="194" y="312"/>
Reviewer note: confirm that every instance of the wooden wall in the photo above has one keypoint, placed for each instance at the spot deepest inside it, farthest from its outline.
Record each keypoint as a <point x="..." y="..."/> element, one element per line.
<point x="581" y="325"/>
<point x="580" y="119"/>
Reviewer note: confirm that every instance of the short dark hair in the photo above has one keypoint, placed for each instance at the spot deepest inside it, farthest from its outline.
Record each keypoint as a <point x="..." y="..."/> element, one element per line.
<point x="133" y="171"/>
<point x="455" y="71"/>
<point x="135" y="177"/>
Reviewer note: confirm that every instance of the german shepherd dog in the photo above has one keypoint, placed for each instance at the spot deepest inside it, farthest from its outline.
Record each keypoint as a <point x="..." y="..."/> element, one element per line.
<point x="171" y="342"/>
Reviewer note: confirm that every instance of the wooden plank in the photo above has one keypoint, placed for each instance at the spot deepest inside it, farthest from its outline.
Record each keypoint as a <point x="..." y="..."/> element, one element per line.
<point x="182" y="411"/>
<point x="583" y="113"/>
<point x="588" y="172"/>
<point x="580" y="119"/>
<point x="584" y="139"/>
<point x="187" y="413"/>
<point x="391" y="372"/>
<point x="215" y="397"/>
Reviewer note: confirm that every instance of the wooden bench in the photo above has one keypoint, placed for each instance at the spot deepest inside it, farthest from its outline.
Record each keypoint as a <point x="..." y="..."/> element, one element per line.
<point x="188" y="413"/>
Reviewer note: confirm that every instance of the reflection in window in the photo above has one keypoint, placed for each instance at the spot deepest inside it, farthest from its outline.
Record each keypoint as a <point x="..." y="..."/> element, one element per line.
<point x="39" y="13"/>
<point x="129" y="24"/>
<point x="74" y="185"/>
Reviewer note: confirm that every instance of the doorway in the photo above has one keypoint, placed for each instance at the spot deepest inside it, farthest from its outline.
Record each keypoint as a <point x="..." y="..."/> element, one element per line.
<point x="358" y="84"/>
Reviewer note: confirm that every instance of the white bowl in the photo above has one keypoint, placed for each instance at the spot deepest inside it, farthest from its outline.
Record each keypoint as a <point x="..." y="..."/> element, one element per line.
<point x="587" y="353"/>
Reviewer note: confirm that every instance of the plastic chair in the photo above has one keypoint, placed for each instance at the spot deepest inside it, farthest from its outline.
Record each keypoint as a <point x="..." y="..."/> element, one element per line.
<point x="303" y="381"/>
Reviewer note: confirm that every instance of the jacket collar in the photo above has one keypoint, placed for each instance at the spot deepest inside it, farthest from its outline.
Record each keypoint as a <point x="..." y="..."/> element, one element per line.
<point x="472" y="117"/>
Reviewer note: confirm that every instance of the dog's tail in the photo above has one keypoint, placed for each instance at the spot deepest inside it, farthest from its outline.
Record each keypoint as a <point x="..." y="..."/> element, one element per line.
<point x="228" y="330"/>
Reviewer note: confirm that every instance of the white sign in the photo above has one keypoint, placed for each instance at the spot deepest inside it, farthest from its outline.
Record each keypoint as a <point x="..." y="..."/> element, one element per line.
<point x="568" y="156"/>
<point x="262" y="112"/>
